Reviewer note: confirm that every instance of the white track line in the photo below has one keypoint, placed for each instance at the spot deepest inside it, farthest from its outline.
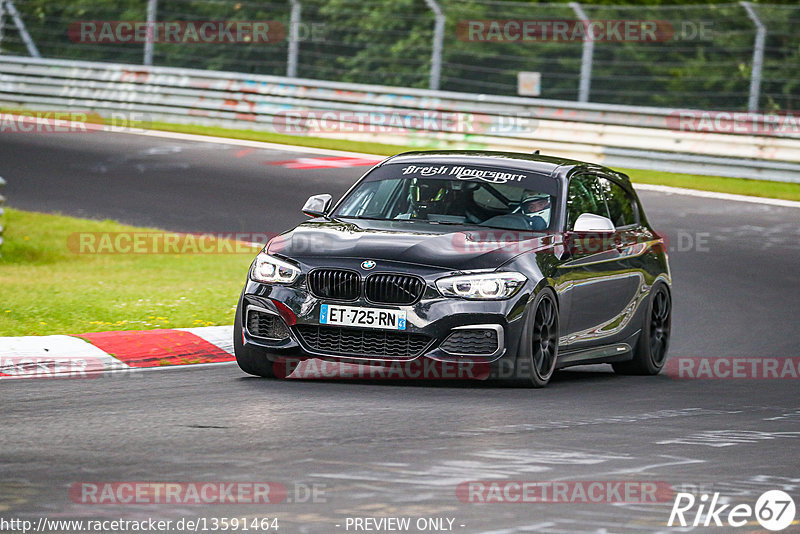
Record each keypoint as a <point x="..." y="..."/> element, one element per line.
<point x="185" y="367"/>
<point x="249" y="143"/>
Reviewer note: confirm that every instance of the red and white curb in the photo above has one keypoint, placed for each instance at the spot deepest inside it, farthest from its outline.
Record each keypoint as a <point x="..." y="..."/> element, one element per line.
<point x="97" y="353"/>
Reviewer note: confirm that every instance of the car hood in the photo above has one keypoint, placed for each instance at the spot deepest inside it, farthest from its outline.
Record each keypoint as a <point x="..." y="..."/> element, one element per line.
<point x="452" y="247"/>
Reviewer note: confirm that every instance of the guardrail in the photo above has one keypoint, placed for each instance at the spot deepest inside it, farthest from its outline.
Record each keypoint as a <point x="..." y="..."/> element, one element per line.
<point x="618" y="136"/>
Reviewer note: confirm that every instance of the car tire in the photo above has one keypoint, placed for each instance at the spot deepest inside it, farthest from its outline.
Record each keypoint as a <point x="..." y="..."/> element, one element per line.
<point x="650" y="354"/>
<point x="251" y="360"/>
<point x="538" y="350"/>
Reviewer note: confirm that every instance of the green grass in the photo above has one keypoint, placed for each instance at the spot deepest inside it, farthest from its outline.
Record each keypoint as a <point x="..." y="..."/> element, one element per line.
<point x="719" y="184"/>
<point x="739" y="186"/>
<point x="48" y="288"/>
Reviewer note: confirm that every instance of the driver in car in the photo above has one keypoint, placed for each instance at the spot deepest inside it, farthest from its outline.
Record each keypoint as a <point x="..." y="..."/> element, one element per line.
<point x="537" y="206"/>
<point x="532" y="214"/>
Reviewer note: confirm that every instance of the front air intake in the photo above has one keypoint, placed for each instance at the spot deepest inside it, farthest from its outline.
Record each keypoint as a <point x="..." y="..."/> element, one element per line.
<point x="362" y="343"/>
<point x="393" y="288"/>
<point x="337" y="284"/>
<point x="266" y="325"/>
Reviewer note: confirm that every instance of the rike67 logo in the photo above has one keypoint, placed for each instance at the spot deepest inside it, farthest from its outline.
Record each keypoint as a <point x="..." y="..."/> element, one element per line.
<point x="774" y="510"/>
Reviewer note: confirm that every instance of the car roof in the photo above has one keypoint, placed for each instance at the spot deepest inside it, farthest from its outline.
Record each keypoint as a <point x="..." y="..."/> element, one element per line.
<point x="547" y="165"/>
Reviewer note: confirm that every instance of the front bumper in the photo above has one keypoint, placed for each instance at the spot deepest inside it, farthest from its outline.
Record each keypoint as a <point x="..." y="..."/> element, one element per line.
<point x="432" y="319"/>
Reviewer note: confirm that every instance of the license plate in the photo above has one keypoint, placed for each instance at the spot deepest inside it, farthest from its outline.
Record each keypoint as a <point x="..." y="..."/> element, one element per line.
<point x="362" y="317"/>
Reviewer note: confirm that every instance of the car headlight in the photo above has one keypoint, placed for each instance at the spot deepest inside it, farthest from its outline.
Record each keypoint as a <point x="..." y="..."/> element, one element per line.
<point x="270" y="270"/>
<point x="500" y="285"/>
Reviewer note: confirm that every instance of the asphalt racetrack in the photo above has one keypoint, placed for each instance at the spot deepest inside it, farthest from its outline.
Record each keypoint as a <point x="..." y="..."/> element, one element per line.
<point x="399" y="449"/>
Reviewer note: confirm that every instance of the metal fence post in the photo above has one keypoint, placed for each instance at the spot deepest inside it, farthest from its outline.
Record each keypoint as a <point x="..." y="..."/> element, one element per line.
<point x="2" y="200"/>
<point x="23" y="32"/>
<point x="149" y="43"/>
<point x="586" y="56"/>
<point x="294" y="38"/>
<point x="758" y="57"/>
<point x="438" y="44"/>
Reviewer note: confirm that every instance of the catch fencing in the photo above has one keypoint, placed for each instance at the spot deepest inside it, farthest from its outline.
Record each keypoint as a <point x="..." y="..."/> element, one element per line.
<point x="726" y="56"/>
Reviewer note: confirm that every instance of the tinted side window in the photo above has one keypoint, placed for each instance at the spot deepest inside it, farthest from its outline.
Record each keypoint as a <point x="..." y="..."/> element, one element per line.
<point x="585" y="195"/>
<point x="620" y="203"/>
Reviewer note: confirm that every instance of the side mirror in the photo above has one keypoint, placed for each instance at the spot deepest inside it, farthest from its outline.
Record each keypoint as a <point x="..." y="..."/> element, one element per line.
<point x="317" y="205"/>
<point x="591" y="223"/>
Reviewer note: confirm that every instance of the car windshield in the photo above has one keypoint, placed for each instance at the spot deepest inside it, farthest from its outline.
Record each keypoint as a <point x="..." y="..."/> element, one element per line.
<point x="454" y="194"/>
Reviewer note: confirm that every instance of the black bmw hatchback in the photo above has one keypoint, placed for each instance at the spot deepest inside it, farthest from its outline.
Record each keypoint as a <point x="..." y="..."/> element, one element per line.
<point x="523" y="263"/>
